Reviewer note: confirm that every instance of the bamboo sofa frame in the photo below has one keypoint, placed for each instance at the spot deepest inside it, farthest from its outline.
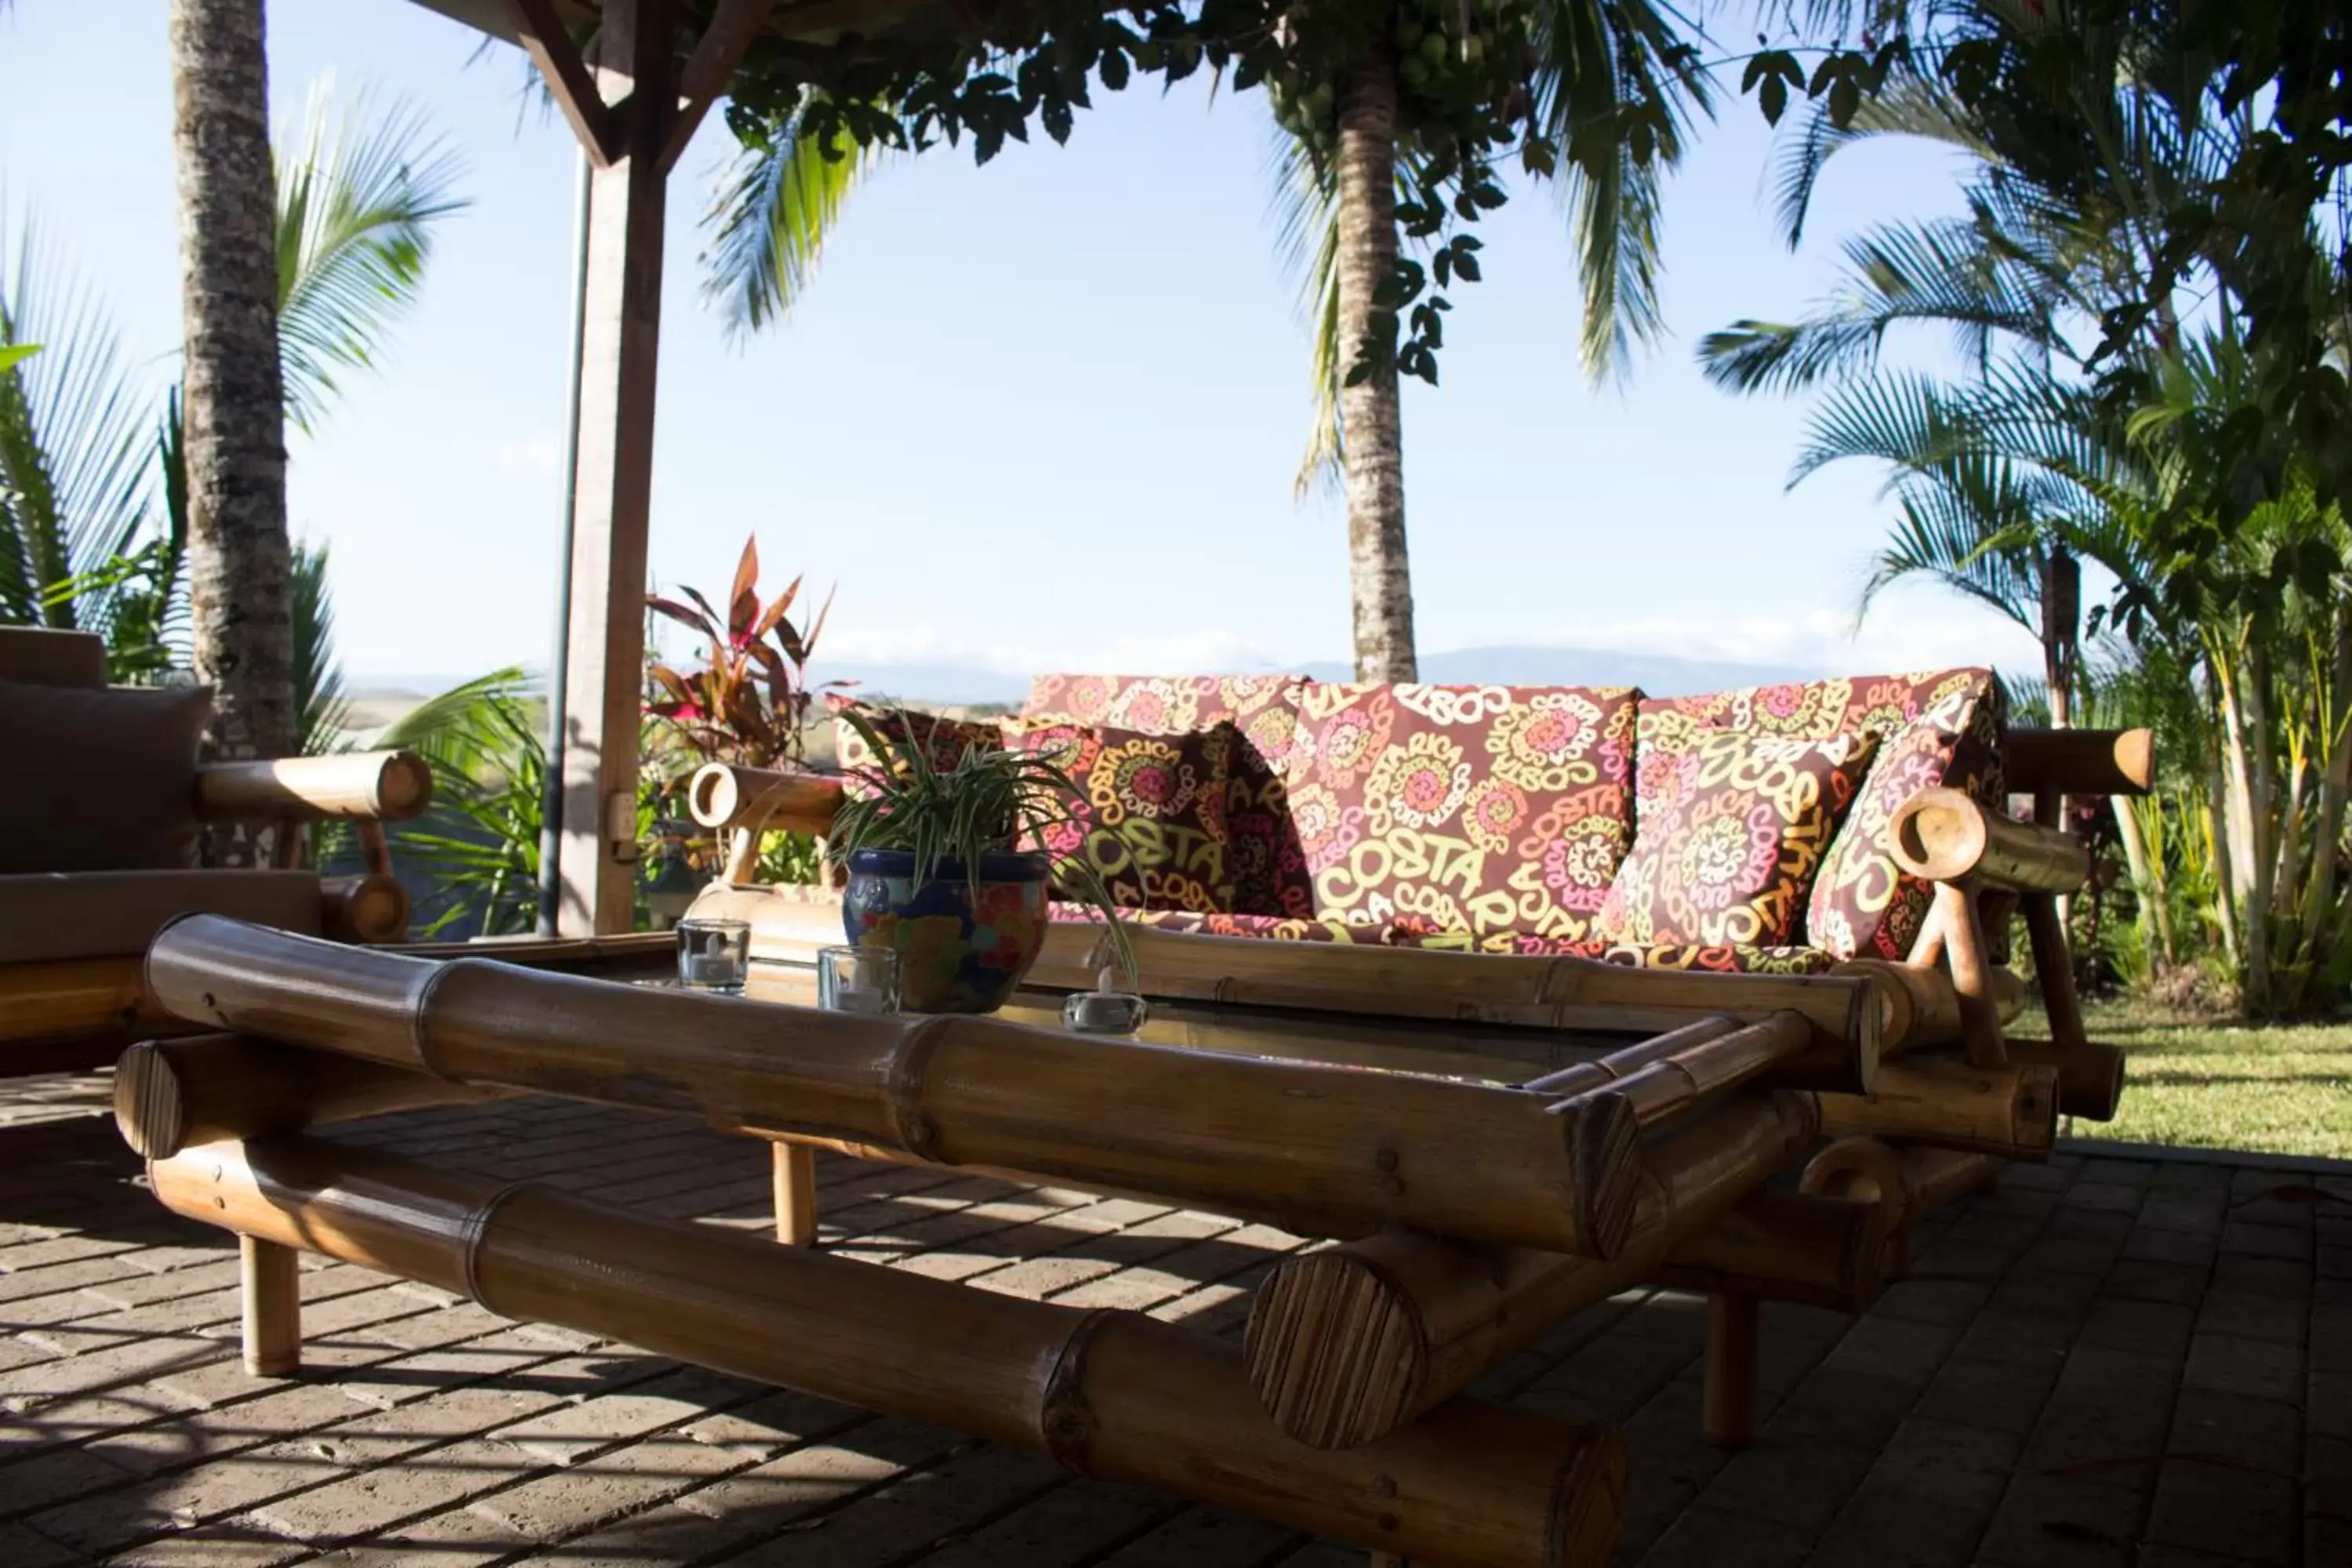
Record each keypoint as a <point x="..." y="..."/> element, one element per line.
<point x="1464" y="1217"/>
<point x="71" y="940"/>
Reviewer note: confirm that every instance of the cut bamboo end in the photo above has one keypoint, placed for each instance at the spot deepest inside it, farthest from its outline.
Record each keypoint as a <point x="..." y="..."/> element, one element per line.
<point x="1944" y="836"/>
<point x="170" y="1094"/>
<point x="149" y="1109"/>
<point x="368" y="909"/>
<point x="1868" y="1170"/>
<point x="2090" y="1075"/>
<point x="1604" y="1144"/>
<point x="1337" y="1349"/>
<point x="1921" y="1009"/>
<point x="2079" y="761"/>
<point x="722" y="796"/>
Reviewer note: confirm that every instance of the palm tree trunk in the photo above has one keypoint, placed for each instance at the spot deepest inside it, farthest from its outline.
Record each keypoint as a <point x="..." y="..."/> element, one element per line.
<point x="238" y="558"/>
<point x="1379" y="578"/>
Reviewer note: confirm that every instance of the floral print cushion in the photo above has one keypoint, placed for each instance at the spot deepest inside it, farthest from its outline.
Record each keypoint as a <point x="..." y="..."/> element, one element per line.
<point x="1150" y="813"/>
<point x="1734" y="828"/>
<point x="1723" y="958"/>
<point x="1940" y="727"/>
<point x="944" y="741"/>
<point x="1267" y="862"/>
<point x="1484" y="810"/>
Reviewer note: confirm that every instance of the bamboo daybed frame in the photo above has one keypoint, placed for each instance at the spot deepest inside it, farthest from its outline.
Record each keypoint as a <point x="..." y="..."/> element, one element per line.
<point x="1548" y="1132"/>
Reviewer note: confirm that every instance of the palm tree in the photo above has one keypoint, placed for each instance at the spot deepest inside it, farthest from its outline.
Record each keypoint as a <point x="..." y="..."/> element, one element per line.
<point x="1607" y="90"/>
<point x="239" y="555"/>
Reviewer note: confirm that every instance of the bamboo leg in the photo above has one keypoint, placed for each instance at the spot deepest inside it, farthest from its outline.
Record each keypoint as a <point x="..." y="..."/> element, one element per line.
<point x="1964" y="950"/>
<point x="742" y="857"/>
<point x="273" y="1306"/>
<point x="795" y="1173"/>
<point x="1730" y="1410"/>
<point x="2054" y="965"/>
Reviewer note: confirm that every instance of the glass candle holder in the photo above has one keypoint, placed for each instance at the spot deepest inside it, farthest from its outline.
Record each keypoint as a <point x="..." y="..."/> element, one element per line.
<point x="857" y="979"/>
<point x="1105" y="1010"/>
<point x="714" y="955"/>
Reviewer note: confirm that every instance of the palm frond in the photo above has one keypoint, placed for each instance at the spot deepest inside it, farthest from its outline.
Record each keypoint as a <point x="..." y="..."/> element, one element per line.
<point x="776" y="205"/>
<point x="323" y="714"/>
<point x="1911" y="105"/>
<point x="474" y="728"/>
<point x="1304" y="207"/>
<point x="359" y="194"/>
<point x="74" y="484"/>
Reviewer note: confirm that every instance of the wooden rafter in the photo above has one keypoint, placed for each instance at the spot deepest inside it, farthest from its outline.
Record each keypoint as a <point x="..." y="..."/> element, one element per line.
<point x="711" y="68"/>
<point x="543" y="36"/>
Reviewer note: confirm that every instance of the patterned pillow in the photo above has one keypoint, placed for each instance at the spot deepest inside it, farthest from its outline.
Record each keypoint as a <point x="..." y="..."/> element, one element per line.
<point x="1151" y="818"/>
<point x="1733" y="829"/>
<point x="1268" y="864"/>
<point x="1462" y="809"/>
<point x="944" y="741"/>
<point x="1936" y="726"/>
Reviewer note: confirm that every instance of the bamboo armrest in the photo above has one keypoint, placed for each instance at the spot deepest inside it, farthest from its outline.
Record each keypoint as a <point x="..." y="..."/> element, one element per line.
<point x="1945" y="836"/>
<point x="723" y="795"/>
<point x="380" y="786"/>
<point x="2079" y="761"/>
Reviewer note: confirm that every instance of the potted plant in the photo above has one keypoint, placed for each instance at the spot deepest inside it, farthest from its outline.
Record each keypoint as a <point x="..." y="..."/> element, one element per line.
<point x="936" y="870"/>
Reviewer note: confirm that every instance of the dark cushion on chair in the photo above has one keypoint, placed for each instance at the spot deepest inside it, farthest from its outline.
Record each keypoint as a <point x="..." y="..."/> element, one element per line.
<point x="97" y="780"/>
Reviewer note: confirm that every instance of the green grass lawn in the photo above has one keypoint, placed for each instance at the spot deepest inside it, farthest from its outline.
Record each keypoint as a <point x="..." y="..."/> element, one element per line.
<point x="2283" y="1090"/>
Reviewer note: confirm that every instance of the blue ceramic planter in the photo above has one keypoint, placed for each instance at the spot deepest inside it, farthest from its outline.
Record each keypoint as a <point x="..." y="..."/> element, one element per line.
<point x="956" y="954"/>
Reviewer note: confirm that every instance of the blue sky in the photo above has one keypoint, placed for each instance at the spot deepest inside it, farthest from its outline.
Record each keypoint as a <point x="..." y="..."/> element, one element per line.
<point x="1042" y="414"/>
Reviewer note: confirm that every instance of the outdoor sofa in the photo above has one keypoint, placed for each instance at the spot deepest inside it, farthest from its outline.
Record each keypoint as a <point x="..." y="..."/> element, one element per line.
<point x="101" y="800"/>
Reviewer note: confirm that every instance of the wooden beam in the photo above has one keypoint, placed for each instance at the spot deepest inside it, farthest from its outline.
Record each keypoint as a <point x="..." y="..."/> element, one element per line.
<point x="613" y="482"/>
<point x="542" y="34"/>
<point x="2079" y="761"/>
<point x="710" y="68"/>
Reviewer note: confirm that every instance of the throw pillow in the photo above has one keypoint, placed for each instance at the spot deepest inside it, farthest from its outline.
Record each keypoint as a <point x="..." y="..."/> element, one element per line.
<point x="1730" y="836"/>
<point x="1150" y="815"/>
<point x="99" y="779"/>
<point x="944" y="740"/>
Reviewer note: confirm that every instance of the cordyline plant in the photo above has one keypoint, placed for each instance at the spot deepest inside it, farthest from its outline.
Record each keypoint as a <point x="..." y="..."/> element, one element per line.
<point x="749" y="701"/>
<point x="989" y="802"/>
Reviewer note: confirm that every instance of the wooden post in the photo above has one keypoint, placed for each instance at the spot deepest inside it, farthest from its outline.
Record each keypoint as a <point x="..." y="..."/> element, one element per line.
<point x="1731" y="1409"/>
<point x="795" y="1175"/>
<point x="273" y="1306"/>
<point x="613" y="476"/>
<point x="1964" y="950"/>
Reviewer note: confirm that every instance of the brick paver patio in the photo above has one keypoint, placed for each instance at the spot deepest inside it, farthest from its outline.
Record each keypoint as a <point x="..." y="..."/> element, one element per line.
<point x="2112" y="1363"/>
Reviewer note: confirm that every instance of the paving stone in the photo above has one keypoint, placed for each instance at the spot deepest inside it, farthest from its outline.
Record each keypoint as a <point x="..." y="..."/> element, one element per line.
<point x="366" y="1501"/>
<point x="225" y="1545"/>
<point x="2046" y="1521"/>
<point x="454" y="1538"/>
<point x="1892" y="1530"/>
<point x="2159" y="1329"/>
<point x="1799" y="1484"/>
<point x="2004" y="1395"/>
<point x="2239" y="1429"/>
<point x="2235" y="1365"/>
<point x="2327" y="1477"/>
<point x="2229" y="1509"/>
<point x="591" y="1492"/>
<point x="918" y="1511"/>
<point x="1709" y="1538"/>
<point x="1198" y="1538"/>
<point x="568" y="1432"/>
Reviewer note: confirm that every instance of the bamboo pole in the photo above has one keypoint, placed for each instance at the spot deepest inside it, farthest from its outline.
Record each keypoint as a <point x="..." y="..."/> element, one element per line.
<point x="1356" y="1147"/>
<point x="1671" y="1085"/>
<point x="2054" y="967"/>
<point x="1787" y="1247"/>
<point x="1115" y="1396"/>
<point x="56" y="999"/>
<point x="270" y="1282"/>
<point x="1728" y="1403"/>
<point x="1945" y="836"/>
<point x="2079" y="761"/>
<point x="1972" y="971"/>
<point x="2090" y="1075"/>
<point x="384" y="786"/>
<point x="2011" y="1110"/>
<point x="368" y="909"/>
<point x="794" y="1169"/>
<point x="170" y="1094"/>
<point x="1923" y="1011"/>
<point x="1352" y="1341"/>
<point x="722" y="796"/>
<point x="1619" y="1063"/>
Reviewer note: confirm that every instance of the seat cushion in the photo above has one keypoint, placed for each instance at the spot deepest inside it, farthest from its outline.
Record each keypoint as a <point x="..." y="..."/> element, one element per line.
<point x="944" y="740"/>
<point x="1149" y="819"/>
<point x="102" y="780"/>
<point x="40" y="655"/>
<point x="1940" y="727"/>
<point x="111" y="914"/>
<point x="1734" y="828"/>
<point x="1479" y="809"/>
<point x="1268" y="863"/>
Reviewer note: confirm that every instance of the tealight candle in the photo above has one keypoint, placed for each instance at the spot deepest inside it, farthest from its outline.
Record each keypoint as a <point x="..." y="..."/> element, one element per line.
<point x="1105" y="1010"/>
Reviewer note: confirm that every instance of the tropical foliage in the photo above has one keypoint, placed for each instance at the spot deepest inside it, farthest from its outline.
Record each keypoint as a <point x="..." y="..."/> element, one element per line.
<point x="2093" y="137"/>
<point x="749" y="701"/>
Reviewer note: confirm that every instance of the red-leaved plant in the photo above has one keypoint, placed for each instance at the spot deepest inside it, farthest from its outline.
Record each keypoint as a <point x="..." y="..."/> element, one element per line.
<point x="748" y="702"/>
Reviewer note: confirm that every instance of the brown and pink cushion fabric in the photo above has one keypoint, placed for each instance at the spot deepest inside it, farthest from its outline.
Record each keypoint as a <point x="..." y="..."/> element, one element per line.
<point x="1734" y="828"/>
<point x="1938" y="728"/>
<point x="1149" y="819"/>
<point x="944" y="741"/>
<point x="1490" y="810"/>
<point x="1268" y="865"/>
